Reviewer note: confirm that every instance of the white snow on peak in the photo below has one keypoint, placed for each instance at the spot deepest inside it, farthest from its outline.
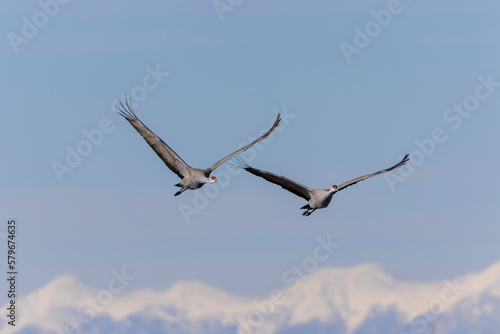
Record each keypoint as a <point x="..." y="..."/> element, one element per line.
<point x="52" y="305"/>
<point x="350" y="295"/>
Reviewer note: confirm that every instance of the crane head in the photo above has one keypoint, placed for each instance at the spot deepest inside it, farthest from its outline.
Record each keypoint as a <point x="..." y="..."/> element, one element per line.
<point x="334" y="188"/>
<point x="212" y="179"/>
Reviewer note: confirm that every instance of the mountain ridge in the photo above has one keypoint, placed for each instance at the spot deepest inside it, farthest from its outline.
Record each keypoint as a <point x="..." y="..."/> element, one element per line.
<point x="347" y="299"/>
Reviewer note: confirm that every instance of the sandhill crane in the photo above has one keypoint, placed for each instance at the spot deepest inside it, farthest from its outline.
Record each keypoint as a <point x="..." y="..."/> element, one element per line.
<point x="192" y="178"/>
<point x="317" y="198"/>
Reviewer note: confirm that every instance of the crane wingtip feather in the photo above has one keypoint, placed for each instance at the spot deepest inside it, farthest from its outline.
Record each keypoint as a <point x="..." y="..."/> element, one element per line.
<point x="126" y="110"/>
<point x="238" y="162"/>
<point x="406" y="158"/>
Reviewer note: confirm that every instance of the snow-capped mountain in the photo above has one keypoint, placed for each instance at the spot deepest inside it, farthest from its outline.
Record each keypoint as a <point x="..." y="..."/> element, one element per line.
<point x="357" y="300"/>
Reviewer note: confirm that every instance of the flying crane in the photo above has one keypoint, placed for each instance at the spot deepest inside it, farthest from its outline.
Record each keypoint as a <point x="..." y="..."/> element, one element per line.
<point x="317" y="198"/>
<point x="191" y="178"/>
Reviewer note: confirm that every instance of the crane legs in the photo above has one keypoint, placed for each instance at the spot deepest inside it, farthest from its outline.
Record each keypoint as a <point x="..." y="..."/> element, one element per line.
<point x="308" y="212"/>
<point x="180" y="191"/>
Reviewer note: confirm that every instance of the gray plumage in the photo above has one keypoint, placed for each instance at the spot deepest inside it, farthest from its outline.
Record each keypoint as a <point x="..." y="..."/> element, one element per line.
<point x="317" y="198"/>
<point x="191" y="178"/>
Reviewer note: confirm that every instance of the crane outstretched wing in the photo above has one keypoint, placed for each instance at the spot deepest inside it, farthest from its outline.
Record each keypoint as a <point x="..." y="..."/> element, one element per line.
<point x="169" y="157"/>
<point x="221" y="161"/>
<point x="364" y="177"/>
<point x="285" y="183"/>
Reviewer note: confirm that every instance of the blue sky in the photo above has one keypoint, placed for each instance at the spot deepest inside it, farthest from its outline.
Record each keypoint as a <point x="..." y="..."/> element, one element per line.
<point x="226" y="78"/>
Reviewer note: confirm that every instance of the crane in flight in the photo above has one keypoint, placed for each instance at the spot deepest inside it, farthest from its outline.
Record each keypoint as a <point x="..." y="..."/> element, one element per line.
<point x="191" y="178"/>
<point x="317" y="198"/>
